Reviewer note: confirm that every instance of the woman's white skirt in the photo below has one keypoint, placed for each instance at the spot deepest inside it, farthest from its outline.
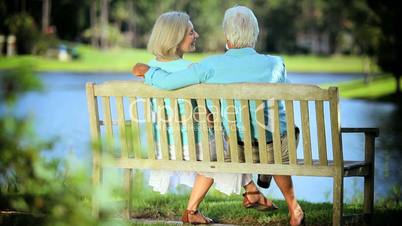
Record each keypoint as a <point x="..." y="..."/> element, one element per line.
<point x="228" y="183"/>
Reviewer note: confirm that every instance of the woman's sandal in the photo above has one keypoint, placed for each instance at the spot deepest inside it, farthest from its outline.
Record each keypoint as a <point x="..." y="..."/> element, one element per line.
<point x="265" y="206"/>
<point x="195" y="217"/>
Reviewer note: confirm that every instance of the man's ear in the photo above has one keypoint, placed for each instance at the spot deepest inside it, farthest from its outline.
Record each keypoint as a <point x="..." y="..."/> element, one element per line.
<point x="229" y="45"/>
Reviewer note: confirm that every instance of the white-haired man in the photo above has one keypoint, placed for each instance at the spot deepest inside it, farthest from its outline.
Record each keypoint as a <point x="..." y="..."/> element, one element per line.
<point x="241" y="63"/>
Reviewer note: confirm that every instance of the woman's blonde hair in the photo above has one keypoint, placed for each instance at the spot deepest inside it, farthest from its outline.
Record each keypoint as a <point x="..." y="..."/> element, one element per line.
<point x="168" y="32"/>
<point x="240" y="27"/>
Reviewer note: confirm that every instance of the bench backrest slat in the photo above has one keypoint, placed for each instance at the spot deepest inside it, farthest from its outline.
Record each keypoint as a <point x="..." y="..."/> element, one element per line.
<point x="321" y="135"/>
<point x="107" y="120"/>
<point x="262" y="140"/>
<point x="189" y="123"/>
<point x="161" y="122"/>
<point x="290" y="124"/>
<point x="135" y="127"/>
<point x="237" y="99"/>
<point x="122" y="127"/>
<point x="149" y="128"/>
<point x="276" y="137"/>
<point x="306" y="132"/>
<point x="233" y="144"/>
<point x="175" y="122"/>
<point x="203" y="126"/>
<point x="335" y="127"/>
<point x="245" y="114"/>
<point x="218" y="130"/>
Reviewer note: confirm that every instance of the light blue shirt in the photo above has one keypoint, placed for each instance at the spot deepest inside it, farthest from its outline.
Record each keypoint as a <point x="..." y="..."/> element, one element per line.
<point x="235" y="66"/>
<point x="173" y="66"/>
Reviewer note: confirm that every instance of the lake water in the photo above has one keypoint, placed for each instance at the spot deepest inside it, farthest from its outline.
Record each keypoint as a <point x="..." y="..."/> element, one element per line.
<point x="61" y="112"/>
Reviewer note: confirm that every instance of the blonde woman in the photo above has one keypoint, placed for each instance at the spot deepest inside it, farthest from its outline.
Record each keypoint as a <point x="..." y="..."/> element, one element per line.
<point x="172" y="36"/>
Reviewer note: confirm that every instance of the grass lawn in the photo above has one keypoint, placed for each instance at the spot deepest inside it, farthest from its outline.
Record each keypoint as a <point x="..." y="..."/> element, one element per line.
<point x="121" y="60"/>
<point x="147" y="204"/>
<point x="229" y="210"/>
<point x="381" y="88"/>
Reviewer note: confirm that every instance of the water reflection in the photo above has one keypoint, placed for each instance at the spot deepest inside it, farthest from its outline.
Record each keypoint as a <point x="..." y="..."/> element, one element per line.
<point x="389" y="155"/>
<point x="62" y="111"/>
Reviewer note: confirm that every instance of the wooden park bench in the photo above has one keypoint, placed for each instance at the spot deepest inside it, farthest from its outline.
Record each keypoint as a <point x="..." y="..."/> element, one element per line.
<point x="120" y="112"/>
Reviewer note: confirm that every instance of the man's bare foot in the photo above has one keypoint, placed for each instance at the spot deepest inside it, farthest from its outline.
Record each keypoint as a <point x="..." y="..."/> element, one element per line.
<point x="297" y="216"/>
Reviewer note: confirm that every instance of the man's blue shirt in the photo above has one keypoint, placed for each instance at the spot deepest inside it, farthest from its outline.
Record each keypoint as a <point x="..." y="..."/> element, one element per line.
<point x="235" y="66"/>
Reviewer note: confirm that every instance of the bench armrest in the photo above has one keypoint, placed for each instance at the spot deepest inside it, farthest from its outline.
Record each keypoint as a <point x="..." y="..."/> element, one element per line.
<point x="372" y="131"/>
<point x="369" y="144"/>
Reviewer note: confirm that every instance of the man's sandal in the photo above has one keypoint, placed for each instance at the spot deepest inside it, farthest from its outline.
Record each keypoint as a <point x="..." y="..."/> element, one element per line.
<point x="265" y="206"/>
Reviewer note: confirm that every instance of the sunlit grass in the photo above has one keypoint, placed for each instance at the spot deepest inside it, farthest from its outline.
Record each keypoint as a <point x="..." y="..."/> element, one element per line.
<point x="229" y="210"/>
<point x="326" y="64"/>
<point x="379" y="87"/>
<point x="122" y="59"/>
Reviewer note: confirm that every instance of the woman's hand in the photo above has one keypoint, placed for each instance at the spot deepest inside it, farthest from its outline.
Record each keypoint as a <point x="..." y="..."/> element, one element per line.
<point x="140" y="69"/>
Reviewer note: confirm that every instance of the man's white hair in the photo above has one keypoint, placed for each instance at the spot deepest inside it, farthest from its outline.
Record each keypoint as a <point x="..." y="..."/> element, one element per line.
<point x="240" y="27"/>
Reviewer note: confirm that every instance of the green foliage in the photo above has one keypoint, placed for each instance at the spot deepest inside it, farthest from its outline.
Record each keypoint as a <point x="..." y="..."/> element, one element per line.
<point x="114" y="37"/>
<point x="15" y="82"/>
<point x="389" y="51"/>
<point x="23" y="26"/>
<point x="45" y="45"/>
<point x="286" y="26"/>
<point x="34" y="188"/>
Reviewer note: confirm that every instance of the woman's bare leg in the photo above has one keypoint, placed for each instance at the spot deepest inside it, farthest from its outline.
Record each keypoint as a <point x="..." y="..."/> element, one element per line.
<point x="200" y="189"/>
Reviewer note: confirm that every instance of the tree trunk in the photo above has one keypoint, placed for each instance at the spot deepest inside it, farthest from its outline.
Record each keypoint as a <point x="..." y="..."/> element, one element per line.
<point x="93" y="20"/>
<point x="104" y="23"/>
<point x="131" y="23"/>
<point x="46" y="6"/>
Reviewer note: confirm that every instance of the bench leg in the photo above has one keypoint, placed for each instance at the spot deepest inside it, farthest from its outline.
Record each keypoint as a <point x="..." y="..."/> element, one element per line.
<point x="96" y="183"/>
<point x="337" y="211"/>
<point x="127" y="186"/>
<point x="368" y="204"/>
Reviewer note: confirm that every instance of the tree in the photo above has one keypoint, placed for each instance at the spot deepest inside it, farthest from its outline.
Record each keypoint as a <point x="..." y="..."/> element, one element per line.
<point x="93" y="21"/>
<point x="104" y="22"/>
<point x="389" y="48"/>
<point x="46" y="7"/>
